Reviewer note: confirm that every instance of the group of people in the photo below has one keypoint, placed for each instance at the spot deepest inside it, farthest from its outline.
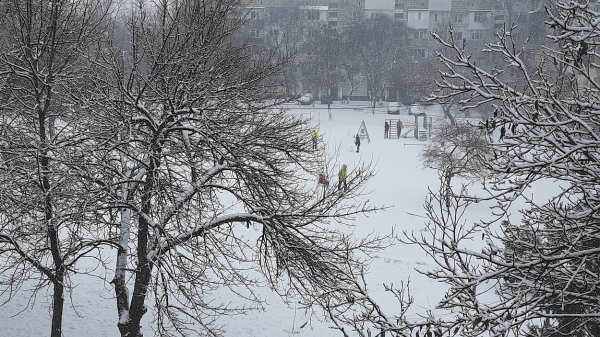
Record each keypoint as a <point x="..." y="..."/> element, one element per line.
<point x="342" y="174"/>
<point x="386" y="133"/>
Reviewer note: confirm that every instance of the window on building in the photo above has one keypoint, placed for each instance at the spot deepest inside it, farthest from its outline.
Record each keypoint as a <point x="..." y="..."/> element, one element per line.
<point x="418" y="52"/>
<point x="458" y="17"/>
<point x="480" y="16"/>
<point x="255" y="14"/>
<point x="332" y="14"/>
<point x="435" y="17"/>
<point x="333" y="6"/>
<point x="499" y="17"/>
<point x="313" y="15"/>
<point x="399" y="6"/>
<point x="476" y="35"/>
<point x="398" y="16"/>
<point x="419" y="16"/>
<point x="255" y="32"/>
<point x="458" y="36"/>
<point x="377" y="16"/>
<point x="332" y="23"/>
<point x="420" y="35"/>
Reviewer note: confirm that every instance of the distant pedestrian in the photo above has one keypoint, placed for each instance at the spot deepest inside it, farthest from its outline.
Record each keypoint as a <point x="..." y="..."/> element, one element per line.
<point x="399" y="128"/>
<point x="357" y="142"/>
<point x="329" y="110"/>
<point x="315" y="136"/>
<point x="386" y="130"/>
<point x="323" y="180"/>
<point x="342" y="178"/>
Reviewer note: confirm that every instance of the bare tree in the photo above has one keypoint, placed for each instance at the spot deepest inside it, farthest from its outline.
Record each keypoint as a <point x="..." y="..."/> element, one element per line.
<point x="47" y="217"/>
<point x="456" y="151"/>
<point x="542" y="269"/>
<point x="350" y="64"/>
<point x="535" y="274"/>
<point x="283" y="29"/>
<point x="411" y="78"/>
<point x="321" y="57"/>
<point x="211" y="188"/>
<point x="377" y="43"/>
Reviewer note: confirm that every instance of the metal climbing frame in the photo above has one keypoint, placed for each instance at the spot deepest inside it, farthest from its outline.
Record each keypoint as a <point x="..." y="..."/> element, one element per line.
<point x="407" y="125"/>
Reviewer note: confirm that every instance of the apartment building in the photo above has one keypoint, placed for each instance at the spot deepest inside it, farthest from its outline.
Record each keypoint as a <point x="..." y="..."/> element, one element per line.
<point x="477" y="22"/>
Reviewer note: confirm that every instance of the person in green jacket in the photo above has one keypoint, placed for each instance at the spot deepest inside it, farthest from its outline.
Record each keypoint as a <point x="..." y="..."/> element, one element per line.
<point x="342" y="178"/>
<point x="315" y="136"/>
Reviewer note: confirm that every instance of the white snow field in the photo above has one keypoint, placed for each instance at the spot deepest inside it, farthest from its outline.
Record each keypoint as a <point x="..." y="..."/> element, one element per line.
<point x="401" y="182"/>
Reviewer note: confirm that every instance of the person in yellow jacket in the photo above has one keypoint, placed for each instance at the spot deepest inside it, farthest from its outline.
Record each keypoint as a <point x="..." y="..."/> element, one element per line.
<point x="342" y="178"/>
<point x="315" y="136"/>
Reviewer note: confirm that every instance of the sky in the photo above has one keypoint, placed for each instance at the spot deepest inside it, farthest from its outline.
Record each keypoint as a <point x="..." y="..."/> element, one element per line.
<point x="401" y="183"/>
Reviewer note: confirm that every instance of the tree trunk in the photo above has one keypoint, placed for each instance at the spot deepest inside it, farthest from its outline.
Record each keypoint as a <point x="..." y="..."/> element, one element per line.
<point x="121" y="292"/>
<point x="51" y="225"/>
<point x="58" y="301"/>
<point x="143" y="271"/>
<point x="447" y="109"/>
<point x="140" y="290"/>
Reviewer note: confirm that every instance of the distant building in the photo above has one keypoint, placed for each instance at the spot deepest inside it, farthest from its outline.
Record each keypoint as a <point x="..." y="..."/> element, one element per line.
<point x="475" y="22"/>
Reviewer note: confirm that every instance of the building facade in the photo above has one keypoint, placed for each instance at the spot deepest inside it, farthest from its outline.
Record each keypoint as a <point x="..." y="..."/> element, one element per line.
<point x="475" y="22"/>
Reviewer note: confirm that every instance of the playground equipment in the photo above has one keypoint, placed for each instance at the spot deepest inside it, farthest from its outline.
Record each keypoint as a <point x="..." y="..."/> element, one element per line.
<point x="363" y="133"/>
<point x="393" y="123"/>
<point x="420" y="126"/>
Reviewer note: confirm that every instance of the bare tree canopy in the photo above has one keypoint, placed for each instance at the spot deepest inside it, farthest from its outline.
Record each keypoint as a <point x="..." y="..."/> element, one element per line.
<point x="542" y="269"/>
<point x="48" y="215"/>
<point x="213" y="187"/>
<point x="377" y="44"/>
<point x="155" y="131"/>
<point x="531" y="271"/>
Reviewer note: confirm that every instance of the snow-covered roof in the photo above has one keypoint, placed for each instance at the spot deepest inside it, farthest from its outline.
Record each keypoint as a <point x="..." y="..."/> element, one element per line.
<point x="317" y="8"/>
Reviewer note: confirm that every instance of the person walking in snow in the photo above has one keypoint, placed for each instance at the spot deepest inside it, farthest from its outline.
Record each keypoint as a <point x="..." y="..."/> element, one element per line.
<point x="315" y="136"/>
<point x="387" y="130"/>
<point x="399" y="128"/>
<point x="342" y="178"/>
<point x="357" y="142"/>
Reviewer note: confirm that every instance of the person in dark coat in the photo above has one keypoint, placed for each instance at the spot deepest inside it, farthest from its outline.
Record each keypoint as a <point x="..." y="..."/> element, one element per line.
<point x="357" y="142"/>
<point x="399" y="128"/>
<point x="387" y="130"/>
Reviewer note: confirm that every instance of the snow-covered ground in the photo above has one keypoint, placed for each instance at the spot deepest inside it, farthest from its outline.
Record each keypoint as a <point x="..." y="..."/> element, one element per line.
<point x="401" y="182"/>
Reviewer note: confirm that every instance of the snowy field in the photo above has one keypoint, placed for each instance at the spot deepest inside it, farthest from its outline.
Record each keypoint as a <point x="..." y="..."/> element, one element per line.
<point x="401" y="182"/>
